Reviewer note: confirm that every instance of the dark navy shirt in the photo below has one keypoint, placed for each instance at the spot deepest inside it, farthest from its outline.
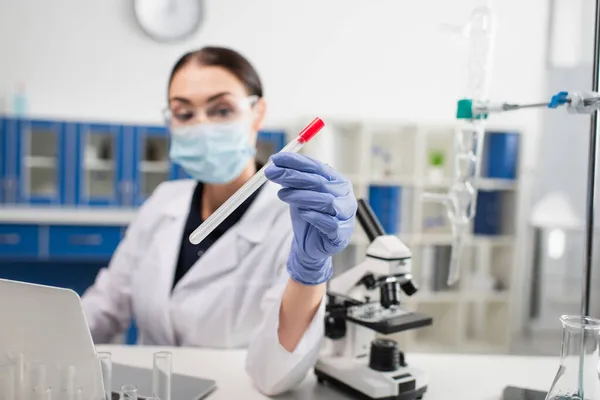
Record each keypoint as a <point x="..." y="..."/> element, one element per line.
<point x="190" y="253"/>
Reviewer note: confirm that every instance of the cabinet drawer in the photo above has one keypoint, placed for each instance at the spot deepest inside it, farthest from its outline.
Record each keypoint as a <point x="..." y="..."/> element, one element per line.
<point x="19" y="241"/>
<point x="83" y="241"/>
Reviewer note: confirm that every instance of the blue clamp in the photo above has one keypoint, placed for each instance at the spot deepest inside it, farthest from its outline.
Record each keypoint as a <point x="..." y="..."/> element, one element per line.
<point x="559" y="99"/>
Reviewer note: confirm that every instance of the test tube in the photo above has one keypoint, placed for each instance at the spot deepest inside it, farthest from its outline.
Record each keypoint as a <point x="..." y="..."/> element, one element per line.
<point x="18" y="362"/>
<point x="69" y="383"/>
<point x="129" y="392"/>
<point x="458" y="237"/>
<point x="252" y="185"/>
<point x="161" y="376"/>
<point x="105" y="358"/>
<point x="42" y="393"/>
<point x="7" y="382"/>
<point x="79" y="393"/>
<point x="38" y="377"/>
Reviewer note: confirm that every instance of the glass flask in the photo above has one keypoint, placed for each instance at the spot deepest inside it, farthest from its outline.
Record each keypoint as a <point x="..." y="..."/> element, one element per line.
<point x="577" y="377"/>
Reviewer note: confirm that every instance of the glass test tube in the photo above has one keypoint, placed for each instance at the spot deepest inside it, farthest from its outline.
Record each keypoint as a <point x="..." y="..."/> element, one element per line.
<point x="129" y="392"/>
<point x="42" y="393"/>
<point x="161" y="376"/>
<point x="106" y="366"/>
<point x="79" y="393"/>
<point x="68" y="389"/>
<point x="18" y="365"/>
<point x="252" y="185"/>
<point x="38" y="376"/>
<point x="7" y="382"/>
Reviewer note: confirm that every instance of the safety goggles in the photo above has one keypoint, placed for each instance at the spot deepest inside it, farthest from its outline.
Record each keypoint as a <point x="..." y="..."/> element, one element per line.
<point x="223" y="109"/>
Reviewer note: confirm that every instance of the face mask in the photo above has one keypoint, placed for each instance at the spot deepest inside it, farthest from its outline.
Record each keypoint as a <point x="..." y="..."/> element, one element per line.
<point x="212" y="153"/>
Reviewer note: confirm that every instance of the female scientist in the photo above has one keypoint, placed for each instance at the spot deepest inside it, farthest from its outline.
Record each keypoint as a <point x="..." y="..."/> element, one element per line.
<point x="258" y="280"/>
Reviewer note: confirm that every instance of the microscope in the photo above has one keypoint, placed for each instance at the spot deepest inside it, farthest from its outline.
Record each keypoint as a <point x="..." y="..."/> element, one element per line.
<point x="364" y="301"/>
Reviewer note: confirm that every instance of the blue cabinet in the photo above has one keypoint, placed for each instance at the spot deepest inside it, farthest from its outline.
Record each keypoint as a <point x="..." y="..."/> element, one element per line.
<point x="41" y="160"/>
<point x="151" y="164"/>
<point x="88" y="242"/>
<point x="58" y="242"/>
<point x="19" y="241"/>
<point x="48" y="162"/>
<point x="103" y="173"/>
<point x="3" y="136"/>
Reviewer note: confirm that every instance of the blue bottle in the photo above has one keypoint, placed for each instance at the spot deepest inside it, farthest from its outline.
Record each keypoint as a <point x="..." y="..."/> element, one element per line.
<point x="20" y="101"/>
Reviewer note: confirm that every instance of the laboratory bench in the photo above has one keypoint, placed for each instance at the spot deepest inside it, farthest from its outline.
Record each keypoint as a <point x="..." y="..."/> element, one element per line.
<point x="451" y="376"/>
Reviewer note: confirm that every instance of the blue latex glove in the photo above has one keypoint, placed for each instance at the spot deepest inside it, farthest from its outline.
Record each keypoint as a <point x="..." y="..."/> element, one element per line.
<point x="323" y="209"/>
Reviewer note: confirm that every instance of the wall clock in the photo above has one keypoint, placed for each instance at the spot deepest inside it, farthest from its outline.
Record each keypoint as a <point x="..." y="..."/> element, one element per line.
<point x="169" y="20"/>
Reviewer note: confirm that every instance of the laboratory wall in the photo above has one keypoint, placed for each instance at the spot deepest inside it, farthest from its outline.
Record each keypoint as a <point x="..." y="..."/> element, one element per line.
<point x="383" y="59"/>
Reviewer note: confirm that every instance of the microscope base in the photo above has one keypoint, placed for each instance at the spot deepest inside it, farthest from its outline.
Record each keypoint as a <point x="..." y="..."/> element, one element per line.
<point x="354" y="376"/>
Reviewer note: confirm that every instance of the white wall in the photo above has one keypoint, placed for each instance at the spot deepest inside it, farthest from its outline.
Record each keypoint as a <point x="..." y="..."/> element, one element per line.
<point x="346" y="58"/>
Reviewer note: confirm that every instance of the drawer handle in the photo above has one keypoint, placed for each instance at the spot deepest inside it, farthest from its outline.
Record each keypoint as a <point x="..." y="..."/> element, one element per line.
<point x="10" y="239"/>
<point x="85" y="240"/>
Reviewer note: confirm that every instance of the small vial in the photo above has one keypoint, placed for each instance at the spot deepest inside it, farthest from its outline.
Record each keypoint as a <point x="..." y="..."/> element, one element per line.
<point x="106" y="367"/>
<point x="161" y="377"/>
<point x="42" y="393"/>
<point x="38" y="376"/>
<point x="129" y="392"/>
<point x="68" y="386"/>
<point x="17" y="360"/>
<point x="79" y="393"/>
<point x="7" y="382"/>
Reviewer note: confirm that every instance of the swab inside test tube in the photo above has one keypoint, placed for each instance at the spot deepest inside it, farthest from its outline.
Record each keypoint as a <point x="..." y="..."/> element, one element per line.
<point x="252" y="185"/>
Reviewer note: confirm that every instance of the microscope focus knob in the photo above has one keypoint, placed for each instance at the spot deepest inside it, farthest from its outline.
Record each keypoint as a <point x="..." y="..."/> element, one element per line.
<point x="385" y="355"/>
<point x="335" y="327"/>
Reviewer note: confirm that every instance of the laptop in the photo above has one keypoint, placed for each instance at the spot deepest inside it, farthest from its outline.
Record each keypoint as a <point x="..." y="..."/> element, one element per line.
<point x="46" y="325"/>
<point x="183" y="387"/>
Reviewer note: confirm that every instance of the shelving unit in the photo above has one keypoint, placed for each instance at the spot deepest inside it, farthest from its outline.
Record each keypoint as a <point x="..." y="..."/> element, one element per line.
<point x="474" y="316"/>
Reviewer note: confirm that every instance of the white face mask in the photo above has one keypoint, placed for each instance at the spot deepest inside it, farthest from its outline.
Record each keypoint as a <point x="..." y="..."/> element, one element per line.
<point x="211" y="152"/>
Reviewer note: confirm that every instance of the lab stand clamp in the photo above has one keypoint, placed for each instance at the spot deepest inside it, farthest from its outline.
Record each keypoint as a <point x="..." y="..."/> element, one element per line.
<point x="365" y="301"/>
<point x="461" y="199"/>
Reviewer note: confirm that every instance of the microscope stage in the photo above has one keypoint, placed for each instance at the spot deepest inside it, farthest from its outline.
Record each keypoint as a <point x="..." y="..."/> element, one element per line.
<point x="390" y="321"/>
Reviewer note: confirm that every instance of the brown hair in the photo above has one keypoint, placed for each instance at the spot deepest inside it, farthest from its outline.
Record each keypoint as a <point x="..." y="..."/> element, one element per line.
<point x="222" y="57"/>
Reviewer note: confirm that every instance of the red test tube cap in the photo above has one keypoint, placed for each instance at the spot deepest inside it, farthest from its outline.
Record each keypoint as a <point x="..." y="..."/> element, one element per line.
<point x="311" y="130"/>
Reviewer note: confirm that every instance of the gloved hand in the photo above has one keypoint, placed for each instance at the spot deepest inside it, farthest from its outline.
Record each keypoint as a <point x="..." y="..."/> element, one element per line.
<point x="323" y="209"/>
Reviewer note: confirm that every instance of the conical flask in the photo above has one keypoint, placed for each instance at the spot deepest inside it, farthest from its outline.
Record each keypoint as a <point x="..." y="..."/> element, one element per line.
<point x="577" y="377"/>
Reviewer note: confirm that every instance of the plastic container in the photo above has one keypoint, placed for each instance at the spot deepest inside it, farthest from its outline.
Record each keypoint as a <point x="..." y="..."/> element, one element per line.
<point x="501" y="155"/>
<point x="488" y="214"/>
<point x="386" y="202"/>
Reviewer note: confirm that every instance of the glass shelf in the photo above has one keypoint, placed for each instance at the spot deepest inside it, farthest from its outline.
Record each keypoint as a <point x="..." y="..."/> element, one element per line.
<point x="41" y="161"/>
<point x="154" y="163"/>
<point x="99" y="164"/>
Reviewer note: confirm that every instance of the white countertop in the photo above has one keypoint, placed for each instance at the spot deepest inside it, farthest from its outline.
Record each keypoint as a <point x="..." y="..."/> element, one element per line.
<point x="53" y="215"/>
<point x="464" y="377"/>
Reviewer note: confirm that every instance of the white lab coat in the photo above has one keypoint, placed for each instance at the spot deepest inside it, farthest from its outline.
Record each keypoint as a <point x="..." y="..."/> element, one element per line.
<point x="229" y="299"/>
